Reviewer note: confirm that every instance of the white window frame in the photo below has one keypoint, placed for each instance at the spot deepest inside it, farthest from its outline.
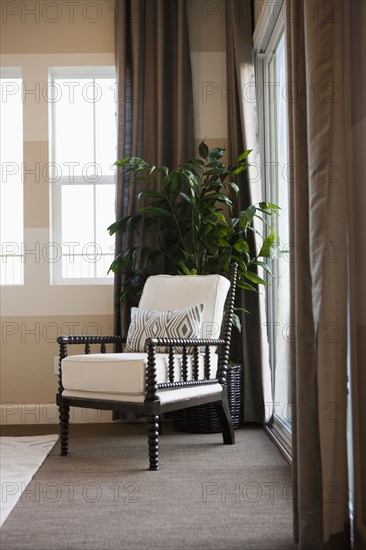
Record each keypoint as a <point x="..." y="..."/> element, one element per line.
<point x="56" y="187"/>
<point x="5" y="73"/>
<point x="267" y="35"/>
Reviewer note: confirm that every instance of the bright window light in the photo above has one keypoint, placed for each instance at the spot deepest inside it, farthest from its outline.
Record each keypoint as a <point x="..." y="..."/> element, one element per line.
<point x="83" y="186"/>
<point x="278" y="190"/>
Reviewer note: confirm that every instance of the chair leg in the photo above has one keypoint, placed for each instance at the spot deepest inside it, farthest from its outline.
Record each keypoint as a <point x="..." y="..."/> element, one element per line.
<point x="153" y="438"/>
<point x="223" y="412"/>
<point x="64" y="415"/>
<point x="160" y="427"/>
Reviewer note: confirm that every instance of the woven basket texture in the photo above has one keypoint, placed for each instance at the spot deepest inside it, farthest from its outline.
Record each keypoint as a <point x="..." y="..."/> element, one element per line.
<point x="203" y="418"/>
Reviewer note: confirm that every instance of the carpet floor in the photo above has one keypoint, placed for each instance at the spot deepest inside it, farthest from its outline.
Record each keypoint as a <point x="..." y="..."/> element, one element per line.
<point x="206" y="496"/>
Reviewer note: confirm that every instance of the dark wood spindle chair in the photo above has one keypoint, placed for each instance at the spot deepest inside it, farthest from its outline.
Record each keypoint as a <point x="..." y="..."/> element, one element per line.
<point x="151" y="383"/>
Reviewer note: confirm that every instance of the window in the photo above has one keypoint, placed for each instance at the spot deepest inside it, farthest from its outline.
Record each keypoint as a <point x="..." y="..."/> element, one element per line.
<point x="271" y="73"/>
<point x="11" y="190"/>
<point x="83" y="151"/>
<point x="277" y="191"/>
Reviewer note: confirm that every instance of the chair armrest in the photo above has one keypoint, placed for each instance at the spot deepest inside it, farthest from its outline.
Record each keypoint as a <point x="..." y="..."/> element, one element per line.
<point x="152" y="386"/>
<point x="91" y="340"/>
<point x="64" y="341"/>
<point x="157" y="342"/>
<point x="86" y="341"/>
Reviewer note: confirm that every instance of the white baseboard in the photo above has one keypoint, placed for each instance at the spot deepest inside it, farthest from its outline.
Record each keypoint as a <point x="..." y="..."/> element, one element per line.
<point x="47" y="413"/>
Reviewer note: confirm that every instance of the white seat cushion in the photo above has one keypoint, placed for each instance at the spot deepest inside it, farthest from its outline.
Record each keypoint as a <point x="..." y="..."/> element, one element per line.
<point x="170" y="396"/>
<point x="123" y="373"/>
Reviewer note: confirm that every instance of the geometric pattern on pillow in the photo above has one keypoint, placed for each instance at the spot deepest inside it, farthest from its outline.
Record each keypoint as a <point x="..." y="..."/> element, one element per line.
<point x="185" y="323"/>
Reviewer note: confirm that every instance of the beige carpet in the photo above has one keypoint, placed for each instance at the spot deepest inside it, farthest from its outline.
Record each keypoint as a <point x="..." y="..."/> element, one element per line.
<point x="206" y="496"/>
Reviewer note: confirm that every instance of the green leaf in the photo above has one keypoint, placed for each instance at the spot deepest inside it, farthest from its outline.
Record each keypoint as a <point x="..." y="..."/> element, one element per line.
<point x="165" y="181"/>
<point x="234" y="186"/>
<point x="221" y="198"/>
<point x="198" y="161"/>
<point x="216" y="153"/>
<point x="269" y="206"/>
<point x="222" y="243"/>
<point x="241" y="245"/>
<point x="156" y="211"/>
<point x="263" y="220"/>
<point x="246" y="216"/>
<point x="203" y="150"/>
<point x="212" y="172"/>
<point x="150" y="194"/>
<point x="254" y="278"/>
<point x="144" y="257"/>
<point x="122" y="162"/>
<point x="242" y="262"/>
<point x="244" y="155"/>
<point x="185" y="271"/>
<point x="175" y="185"/>
<point x="265" y="267"/>
<point x="246" y="286"/>
<point x="115" y="265"/>
<point x="239" y="169"/>
<point x="193" y="167"/>
<point x="242" y="309"/>
<point x="220" y="216"/>
<point x="120" y="225"/>
<point x="185" y="197"/>
<point x="265" y="251"/>
<point x="112" y="229"/>
<point x="236" y="322"/>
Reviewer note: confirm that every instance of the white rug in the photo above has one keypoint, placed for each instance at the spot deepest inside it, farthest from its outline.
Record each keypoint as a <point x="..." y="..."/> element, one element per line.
<point x="20" y="458"/>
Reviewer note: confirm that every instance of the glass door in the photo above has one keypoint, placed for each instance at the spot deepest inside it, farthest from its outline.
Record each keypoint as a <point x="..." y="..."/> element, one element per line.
<point x="277" y="189"/>
<point x="273" y="124"/>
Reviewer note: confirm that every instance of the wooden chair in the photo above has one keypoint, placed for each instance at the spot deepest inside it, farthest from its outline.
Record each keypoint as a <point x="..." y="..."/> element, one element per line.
<point x="174" y="373"/>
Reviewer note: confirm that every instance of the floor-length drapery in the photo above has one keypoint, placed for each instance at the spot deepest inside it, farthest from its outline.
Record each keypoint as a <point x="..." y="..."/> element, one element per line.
<point x="324" y="185"/>
<point x="155" y="103"/>
<point x="242" y="135"/>
<point x="356" y="191"/>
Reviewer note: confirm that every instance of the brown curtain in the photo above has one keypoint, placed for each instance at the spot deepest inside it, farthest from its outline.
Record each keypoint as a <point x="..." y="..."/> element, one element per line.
<point x="242" y="134"/>
<point x="325" y="182"/>
<point x="155" y="102"/>
<point x="356" y="191"/>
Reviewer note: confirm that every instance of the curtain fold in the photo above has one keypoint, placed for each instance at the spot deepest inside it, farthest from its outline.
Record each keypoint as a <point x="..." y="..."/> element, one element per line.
<point x="320" y="183"/>
<point x="356" y="89"/>
<point x="249" y="347"/>
<point x="155" y="118"/>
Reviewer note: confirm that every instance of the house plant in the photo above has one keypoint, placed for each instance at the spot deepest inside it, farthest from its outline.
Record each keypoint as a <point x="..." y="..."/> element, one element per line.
<point x="190" y="211"/>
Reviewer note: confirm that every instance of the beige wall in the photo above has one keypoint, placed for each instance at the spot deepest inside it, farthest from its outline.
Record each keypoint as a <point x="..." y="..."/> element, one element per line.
<point x="33" y="315"/>
<point x="57" y="27"/>
<point x="35" y="36"/>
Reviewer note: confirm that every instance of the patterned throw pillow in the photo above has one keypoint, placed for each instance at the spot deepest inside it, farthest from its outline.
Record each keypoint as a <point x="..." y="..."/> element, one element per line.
<point x="185" y="323"/>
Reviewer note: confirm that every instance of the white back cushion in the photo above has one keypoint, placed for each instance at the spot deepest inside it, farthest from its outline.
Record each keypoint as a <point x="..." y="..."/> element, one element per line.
<point x="173" y="292"/>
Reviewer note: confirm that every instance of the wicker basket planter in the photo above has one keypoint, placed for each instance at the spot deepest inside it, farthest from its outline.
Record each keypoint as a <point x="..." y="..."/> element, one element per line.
<point x="203" y="418"/>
